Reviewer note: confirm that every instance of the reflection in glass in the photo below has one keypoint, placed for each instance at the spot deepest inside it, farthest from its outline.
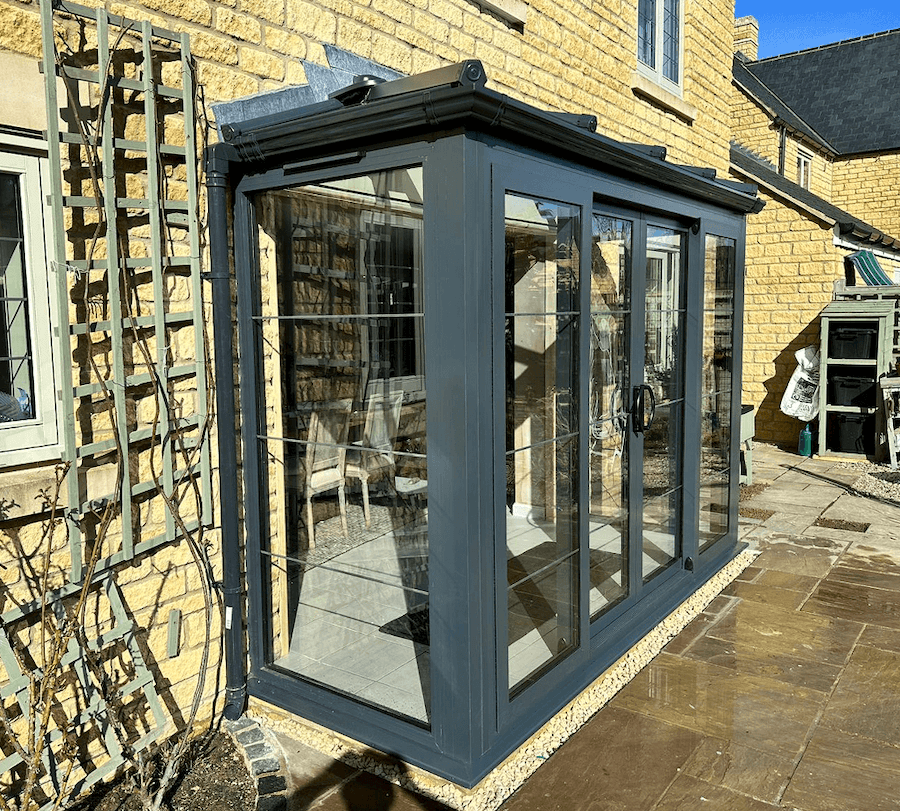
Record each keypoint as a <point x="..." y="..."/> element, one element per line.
<point x="16" y="372"/>
<point x="343" y="436"/>
<point x="542" y="259"/>
<point x="718" y="356"/>
<point x="664" y="374"/>
<point x="609" y="387"/>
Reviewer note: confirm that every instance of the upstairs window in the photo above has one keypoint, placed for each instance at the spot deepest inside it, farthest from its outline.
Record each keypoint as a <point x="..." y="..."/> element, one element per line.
<point x="804" y="167"/>
<point x="660" y="26"/>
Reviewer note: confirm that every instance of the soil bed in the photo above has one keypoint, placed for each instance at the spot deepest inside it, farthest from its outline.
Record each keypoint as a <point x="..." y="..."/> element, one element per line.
<point x="216" y="779"/>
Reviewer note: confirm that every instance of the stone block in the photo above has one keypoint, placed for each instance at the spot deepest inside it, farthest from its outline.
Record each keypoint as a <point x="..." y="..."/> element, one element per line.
<point x="272" y="802"/>
<point x="312" y="20"/>
<point x="262" y="64"/>
<point x="264" y="10"/>
<point x="20" y="30"/>
<point x="264" y="765"/>
<point x="215" y="48"/>
<point x="283" y="42"/>
<point x="239" y="26"/>
<point x="270" y="784"/>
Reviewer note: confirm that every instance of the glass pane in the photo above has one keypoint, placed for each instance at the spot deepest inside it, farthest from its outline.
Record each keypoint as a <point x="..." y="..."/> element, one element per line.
<point x="664" y="375"/>
<point x="542" y="256"/>
<point x="16" y="365"/>
<point x="647" y="32"/>
<point x="608" y="520"/>
<point x="671" y="40"/>
<point x="541" y="622"/>
<point x="610" y="384"/>
<point x="660" y="532"/>
<point x="344" y="436"/>
<point x="718" y="357"/>
<point x="541" y="399"/>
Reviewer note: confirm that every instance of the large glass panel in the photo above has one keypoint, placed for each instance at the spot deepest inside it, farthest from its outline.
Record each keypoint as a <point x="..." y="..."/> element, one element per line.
<point x="343" y="436"/>
<point x="718" y="358"/>
<point x="664" y="403"/>
<point x="16" y="372"/>
<point x="542" y="257"/>
<point x="610" y="386"/>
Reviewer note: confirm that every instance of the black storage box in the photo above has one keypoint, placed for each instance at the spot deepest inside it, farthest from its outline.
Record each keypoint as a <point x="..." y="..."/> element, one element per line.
<point x="851" y="433"/>
<point x="853" y="341"/>
<point x="851" y="389"/>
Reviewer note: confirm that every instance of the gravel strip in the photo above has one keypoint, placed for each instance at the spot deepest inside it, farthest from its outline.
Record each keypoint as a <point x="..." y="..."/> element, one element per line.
<point x="876" y="480"/>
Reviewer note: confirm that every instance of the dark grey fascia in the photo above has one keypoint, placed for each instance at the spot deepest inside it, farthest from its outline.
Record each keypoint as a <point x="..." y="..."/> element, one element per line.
<point x="459" y="101"/>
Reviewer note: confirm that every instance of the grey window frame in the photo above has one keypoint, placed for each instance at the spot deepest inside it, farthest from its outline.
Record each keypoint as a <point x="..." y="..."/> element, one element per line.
<point x="36" y="439"/>
<point x="655" y="70"/>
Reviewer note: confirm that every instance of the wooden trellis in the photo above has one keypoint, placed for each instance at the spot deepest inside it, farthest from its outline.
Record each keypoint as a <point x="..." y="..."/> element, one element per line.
<point x="125" y="223"/>
<point x="89" y="721"/>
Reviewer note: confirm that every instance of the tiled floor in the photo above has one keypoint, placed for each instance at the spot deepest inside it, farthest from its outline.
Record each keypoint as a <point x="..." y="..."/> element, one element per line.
<point x="783" y="694"/>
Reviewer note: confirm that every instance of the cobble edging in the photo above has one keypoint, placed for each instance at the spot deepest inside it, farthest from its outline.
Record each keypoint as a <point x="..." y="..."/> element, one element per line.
<point x="264" y="760"/>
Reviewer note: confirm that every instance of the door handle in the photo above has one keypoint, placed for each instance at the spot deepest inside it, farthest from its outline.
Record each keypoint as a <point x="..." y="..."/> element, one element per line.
<point x="640" y="421"/>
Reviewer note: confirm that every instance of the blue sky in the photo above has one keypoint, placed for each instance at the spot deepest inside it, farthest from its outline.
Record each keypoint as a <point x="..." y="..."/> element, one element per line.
<point x="792" y="25"/>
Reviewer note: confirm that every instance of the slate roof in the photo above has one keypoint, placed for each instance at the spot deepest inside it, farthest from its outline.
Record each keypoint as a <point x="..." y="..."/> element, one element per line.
<point x="775" y="106"/>
<point x="847" y="92"/>
<point x="761" y="171"/>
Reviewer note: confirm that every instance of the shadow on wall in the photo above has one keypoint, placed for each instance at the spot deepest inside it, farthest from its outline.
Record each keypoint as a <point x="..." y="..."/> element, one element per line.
<point x="772" y="425"/>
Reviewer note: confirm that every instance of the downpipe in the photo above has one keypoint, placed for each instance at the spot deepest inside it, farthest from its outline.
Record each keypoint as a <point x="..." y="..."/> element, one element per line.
<point x="218" y="158"/>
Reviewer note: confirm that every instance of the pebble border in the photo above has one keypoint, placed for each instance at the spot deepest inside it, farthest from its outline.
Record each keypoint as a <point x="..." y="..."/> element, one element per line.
<point x="506" y="778"/>
<point x="264" y="761"/>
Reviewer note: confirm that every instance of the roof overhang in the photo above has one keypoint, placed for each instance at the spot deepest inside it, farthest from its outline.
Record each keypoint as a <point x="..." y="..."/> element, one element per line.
<point x="452" y="100"/>
<point x="845" y="225"/>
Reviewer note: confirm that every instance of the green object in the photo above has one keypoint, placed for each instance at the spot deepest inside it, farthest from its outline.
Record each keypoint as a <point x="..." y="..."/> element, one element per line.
<point x="804" y="448"/>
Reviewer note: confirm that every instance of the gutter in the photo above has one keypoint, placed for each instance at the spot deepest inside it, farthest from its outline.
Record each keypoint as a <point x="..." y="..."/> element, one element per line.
<point x="413" y="108"/>
<point x="218" y="159"/>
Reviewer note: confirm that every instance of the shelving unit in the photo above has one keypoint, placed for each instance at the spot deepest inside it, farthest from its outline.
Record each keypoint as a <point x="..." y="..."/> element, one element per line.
<point x="860" y="343"/>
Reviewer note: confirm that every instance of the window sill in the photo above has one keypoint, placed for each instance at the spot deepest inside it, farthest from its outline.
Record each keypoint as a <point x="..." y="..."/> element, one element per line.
<point x="650" y="91"/>
<point x="513" y="11"/>
<point x="22" y="492"/>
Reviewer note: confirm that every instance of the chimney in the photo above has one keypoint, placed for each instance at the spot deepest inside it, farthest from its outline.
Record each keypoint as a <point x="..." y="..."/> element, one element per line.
<point x="746" y="37"/>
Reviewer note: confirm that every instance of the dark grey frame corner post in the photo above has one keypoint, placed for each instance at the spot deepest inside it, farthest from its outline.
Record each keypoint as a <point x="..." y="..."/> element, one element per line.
<point x="219" y="159"/>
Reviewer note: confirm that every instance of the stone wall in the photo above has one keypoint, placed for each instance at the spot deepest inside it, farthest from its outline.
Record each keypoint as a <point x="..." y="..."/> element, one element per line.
<point x="791" y="266"/>
<point x="869" y="188"/>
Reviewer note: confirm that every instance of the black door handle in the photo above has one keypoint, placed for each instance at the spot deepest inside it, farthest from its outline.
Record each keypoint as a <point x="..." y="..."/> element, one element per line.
<point x="640" y="421"/>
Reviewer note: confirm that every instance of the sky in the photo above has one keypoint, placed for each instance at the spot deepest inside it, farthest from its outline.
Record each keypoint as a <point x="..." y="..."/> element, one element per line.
<point x="793" y="25"/>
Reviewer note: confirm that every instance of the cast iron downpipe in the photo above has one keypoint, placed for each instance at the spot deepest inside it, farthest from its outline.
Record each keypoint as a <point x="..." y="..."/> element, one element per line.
<point x="218" y="158"/>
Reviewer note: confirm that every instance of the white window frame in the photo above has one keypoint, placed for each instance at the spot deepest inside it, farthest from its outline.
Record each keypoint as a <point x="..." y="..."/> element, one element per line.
<point x="655" y="72"/>
<point x="804" y="168"/>
<point x="36" y="439"/>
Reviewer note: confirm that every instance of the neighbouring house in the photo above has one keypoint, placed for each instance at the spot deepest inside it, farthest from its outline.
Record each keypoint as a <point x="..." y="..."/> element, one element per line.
<point x="524" y="205"/>
<point x="817" y="131"/>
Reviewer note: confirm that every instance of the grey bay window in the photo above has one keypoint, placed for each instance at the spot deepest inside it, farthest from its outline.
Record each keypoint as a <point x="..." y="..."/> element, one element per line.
<point x="489" y="365"/>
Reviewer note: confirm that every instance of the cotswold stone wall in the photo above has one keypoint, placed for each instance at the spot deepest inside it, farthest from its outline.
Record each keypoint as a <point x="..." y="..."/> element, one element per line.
<point x="791" y="265"/>
<point x="752" y="126"/>
<point x="869" y="188"/>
